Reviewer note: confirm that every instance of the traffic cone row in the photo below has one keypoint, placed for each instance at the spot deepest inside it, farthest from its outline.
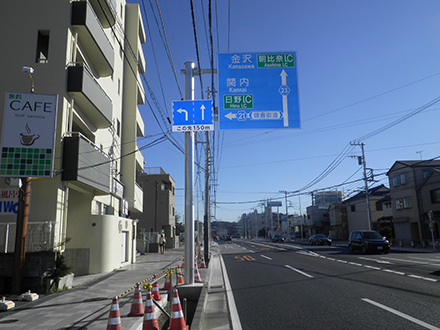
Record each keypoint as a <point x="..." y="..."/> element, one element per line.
<point x="167" y="285"/>
<point x="150" y="320"/>
<point x="177" y="321"/>
<point x="197" y="274"/>
<point x="179" y="276"/>
<point x="202" y="262"/>
<point x="155" y="291"/>
<point x="114" y="320"/>
<point x="183" y="261"/>
<point x="137" y="307"/>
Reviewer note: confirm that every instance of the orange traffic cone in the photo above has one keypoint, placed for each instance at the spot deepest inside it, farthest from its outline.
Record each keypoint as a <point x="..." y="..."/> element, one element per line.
<point x="202" y="263"/>
<point x="137" y="307"/>
<point x="150" y="320"/>
<point x="179" y="277"/>
<point x="167" y="285"/>
<point x="114" y="320"/>
<point x="183" y="261"/>
<point x="177" y="321"/>
<point x="197" y="274"/>
<point x="156" y="293"/>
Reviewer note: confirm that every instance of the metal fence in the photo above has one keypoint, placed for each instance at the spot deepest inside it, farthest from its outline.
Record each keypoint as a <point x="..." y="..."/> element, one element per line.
<point x="40" y="236"/>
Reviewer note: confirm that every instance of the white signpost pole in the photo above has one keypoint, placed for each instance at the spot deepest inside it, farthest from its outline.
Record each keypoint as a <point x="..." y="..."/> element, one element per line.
<point x="189" y="182"/>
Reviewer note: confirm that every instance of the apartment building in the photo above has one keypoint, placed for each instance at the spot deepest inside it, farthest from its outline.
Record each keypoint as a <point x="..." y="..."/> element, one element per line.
<point x="89" y="54"/>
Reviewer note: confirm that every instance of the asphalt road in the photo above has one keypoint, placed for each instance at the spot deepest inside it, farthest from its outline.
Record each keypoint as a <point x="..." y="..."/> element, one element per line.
<point x="298" y="286"/>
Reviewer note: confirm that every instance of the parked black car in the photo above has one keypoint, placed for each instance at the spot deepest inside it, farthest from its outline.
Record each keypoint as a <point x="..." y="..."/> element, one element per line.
<point x="277" y="239"/>
<point x="320" y="239"/>
<point x="368" y="241"/>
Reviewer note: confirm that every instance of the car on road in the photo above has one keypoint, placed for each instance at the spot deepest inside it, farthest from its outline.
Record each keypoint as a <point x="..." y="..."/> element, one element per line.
<point x="368" y="241"/>
<point x="277" y="239"/>
<point x="320" y="239"/>
<point x="228" y="238"/>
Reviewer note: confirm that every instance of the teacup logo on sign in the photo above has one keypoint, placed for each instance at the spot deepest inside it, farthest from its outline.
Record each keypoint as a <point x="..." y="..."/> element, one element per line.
<point x="28" y="138"/>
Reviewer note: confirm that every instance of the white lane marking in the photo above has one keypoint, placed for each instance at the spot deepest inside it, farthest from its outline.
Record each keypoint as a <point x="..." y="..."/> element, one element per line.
<point x="268" y="258"/>
<point x="298" y="271"/>
<point x="270" y="246"/>
<point x="422" y="278"/>
<point x="403" y="315"/>
<point x="393" y="271"/>
<point x="379" y="261"/>
<point x="371" y="267"/>
<point x="414" y="262"/>
<point x="233" y="312"/>
<point x="354" y="263"/>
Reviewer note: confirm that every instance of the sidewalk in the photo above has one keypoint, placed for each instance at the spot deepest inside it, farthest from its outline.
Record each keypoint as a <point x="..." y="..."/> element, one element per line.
<point x="87" y="305"/>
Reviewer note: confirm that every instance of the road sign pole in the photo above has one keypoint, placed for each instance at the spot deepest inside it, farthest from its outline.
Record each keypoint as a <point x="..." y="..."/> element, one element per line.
<point x="189" y="182"/>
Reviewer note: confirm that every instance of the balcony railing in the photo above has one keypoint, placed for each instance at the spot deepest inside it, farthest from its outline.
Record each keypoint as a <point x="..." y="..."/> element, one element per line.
<point x="105" y="10"/>
<point x="89" y="95"/>
<point x="85" y="164"/>
<point x="92" y="38"/>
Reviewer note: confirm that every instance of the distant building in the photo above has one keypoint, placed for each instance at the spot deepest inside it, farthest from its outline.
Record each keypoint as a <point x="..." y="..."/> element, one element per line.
<point x="337" y="213"/>
<point x="159" y="213"/>
<point x="357" y="209"/>
<point x="415" y="192"/>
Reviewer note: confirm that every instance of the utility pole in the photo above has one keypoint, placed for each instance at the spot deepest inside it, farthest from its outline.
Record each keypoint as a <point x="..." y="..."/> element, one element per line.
<point x="24" y="199"/>
<point x="285" y="192"/>
<point x="207" y="217"/>
<point x="362" y="162"/>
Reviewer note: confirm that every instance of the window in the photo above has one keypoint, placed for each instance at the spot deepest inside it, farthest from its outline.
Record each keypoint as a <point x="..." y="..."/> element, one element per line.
<point x="42" y="47"/>
<point x="353" y="208"/>
<point x="97" y="208"/>
<point x="118" y="128"/>
<point x="403" y="203"/>
<point x="400" y="179"/>
<point x="435" y="196"/>
<point x="379" y="206"/>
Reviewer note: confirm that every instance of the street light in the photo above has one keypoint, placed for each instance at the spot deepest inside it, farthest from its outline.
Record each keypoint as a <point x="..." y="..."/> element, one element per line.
<point x="29" y="70"/>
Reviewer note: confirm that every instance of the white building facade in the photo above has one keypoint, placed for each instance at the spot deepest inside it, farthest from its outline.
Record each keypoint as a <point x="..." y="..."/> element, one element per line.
<point x="89" y="53"/>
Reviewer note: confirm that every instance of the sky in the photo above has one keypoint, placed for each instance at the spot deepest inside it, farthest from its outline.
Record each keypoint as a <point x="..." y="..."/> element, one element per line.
<point x="368" y="72"/>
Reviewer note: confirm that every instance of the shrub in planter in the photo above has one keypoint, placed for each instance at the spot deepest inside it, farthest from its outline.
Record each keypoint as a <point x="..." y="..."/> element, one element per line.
<point x="59" y="271"/>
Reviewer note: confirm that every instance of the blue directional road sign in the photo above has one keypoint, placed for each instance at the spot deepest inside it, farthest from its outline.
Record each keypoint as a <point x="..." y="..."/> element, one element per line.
<point x="258" y="90"/>
<point x="197" y="115"/>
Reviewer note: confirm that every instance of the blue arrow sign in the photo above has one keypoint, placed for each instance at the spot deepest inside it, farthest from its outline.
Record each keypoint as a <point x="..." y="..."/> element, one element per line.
<point x="258" y="90"/>
<point x="195" y="115"/>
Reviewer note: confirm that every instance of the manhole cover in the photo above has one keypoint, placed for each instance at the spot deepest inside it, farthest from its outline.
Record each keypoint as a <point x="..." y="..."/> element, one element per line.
<point x="8" y="321"/>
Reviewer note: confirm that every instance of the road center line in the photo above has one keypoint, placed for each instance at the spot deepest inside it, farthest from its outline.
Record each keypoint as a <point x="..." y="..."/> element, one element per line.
<point x="405" y="316"/>
<point x="268" y="258"/>
<point x="298" y="271"/>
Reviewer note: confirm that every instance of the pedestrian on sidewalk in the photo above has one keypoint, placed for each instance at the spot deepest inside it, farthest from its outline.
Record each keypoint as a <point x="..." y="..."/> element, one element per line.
<point x="162" y="242"/>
